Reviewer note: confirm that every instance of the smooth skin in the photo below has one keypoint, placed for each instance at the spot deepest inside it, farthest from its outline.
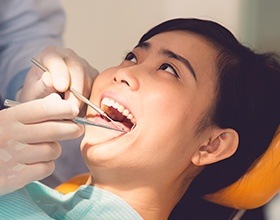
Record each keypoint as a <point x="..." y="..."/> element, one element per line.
<point x="152" y="166"/>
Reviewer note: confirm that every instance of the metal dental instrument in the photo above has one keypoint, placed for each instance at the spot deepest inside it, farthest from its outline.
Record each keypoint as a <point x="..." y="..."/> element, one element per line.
<point x="79" y="96"/>
<point x="79" y="120"/>
<point x="85" y="121"/>
<point x="10" y="103"/>
<point x="89" y="103"/>
<point x="37" y="63"/>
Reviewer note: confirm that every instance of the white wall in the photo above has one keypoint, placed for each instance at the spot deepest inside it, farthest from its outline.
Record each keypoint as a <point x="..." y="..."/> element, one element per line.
<point x="267" y="34"/>
<point x="102" y="31"/>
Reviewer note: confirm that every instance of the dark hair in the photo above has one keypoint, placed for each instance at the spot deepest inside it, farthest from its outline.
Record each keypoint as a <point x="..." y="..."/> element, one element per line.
<point x="247" y="99"/>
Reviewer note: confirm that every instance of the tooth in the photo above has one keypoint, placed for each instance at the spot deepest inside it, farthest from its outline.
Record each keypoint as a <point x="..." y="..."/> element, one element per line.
<point x="133" y="121"/>
<point x="115" y="105"/>
<point x="120" y="108"/>
<point x="110" y="102"/>
<point x="105" y="101"/>
<point x="125" y="112"/>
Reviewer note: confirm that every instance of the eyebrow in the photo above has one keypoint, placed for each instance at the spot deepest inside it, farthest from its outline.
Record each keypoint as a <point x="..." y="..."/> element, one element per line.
<point x="170" y="54"/>
<point x="144" y="45"/>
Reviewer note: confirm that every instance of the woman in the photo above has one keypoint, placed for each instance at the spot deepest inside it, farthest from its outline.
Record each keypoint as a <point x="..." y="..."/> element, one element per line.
<point x="190" y="97"/>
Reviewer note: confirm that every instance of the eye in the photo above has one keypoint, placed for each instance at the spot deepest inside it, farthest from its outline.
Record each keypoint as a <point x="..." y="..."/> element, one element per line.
<point x="131" y="57"/>
<point x="168" y="68"/>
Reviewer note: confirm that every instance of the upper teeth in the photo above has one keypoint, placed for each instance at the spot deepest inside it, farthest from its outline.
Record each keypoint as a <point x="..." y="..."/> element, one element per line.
<point x="112" y="103"/>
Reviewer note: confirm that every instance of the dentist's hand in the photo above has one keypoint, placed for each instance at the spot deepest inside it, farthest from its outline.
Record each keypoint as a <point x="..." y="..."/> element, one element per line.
<point x="28" y="135"/>
<point x="65" y="68"/>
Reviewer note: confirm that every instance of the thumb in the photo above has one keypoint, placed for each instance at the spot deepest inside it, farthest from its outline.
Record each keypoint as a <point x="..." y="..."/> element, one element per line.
<point x="47" y="80"/>
<point x="36" y="88"/>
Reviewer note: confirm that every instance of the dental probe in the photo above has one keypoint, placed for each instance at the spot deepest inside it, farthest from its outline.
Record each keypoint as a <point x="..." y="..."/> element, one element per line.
<point x="89" y="103"/>
<point x="79" y="96"/>
<point x="79" y="120"/>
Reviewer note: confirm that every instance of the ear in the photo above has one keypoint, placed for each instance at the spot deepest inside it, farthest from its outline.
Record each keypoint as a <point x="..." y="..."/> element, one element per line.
<point x="222" y="144"/>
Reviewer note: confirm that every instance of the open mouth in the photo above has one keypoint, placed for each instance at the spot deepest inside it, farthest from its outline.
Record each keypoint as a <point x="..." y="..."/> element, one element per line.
<point x="118" y="112"/>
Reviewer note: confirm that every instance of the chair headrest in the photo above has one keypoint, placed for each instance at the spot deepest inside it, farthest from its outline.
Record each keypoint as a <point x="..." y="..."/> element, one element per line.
<point x="258" y="185"/>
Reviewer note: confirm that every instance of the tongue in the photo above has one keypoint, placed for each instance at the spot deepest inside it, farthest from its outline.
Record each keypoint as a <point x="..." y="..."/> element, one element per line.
<point x="118" y="117"/>
<point x="104" y="121"/>
<point x="115" y="114"/>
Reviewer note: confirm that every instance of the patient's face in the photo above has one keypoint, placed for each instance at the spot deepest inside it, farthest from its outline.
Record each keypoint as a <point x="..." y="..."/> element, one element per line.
<point x="163" y="87"/>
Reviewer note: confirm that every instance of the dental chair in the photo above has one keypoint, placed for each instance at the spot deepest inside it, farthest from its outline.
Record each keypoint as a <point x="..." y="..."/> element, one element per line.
<point x="257" y="186"/>
<point x="254" y="189"/>
<point x="73" y="184"/>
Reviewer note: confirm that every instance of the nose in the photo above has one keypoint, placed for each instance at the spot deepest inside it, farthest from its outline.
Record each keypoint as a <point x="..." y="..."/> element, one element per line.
<point x="127" y="77"/>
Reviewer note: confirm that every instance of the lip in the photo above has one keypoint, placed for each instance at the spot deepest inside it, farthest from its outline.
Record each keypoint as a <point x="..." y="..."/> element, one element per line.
<point x="120" y="99"/>
<point x="95" y="136"/>
<point x="100" y="120"/>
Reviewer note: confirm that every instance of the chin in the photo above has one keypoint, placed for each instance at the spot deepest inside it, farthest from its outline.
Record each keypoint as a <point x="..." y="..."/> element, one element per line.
<point x="101" y="144"/>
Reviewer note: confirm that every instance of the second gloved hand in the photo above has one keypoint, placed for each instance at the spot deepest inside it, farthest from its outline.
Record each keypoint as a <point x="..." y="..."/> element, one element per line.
<point x="29" y="134"/>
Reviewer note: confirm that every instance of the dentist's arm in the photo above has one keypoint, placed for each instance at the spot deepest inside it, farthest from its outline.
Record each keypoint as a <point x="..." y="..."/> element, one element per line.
<point x="28" y="135"/>
<point x="27" y="27"/>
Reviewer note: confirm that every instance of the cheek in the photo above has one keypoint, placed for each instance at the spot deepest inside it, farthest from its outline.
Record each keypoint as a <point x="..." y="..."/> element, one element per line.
<point x="101" y="81"/>
<point x="171" y="116"/>
<point x="167" y="119"/>
<point x="166" y="107"/>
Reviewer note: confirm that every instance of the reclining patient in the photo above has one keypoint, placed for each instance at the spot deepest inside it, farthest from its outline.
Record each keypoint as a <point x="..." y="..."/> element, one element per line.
<point x="198" y="108"/>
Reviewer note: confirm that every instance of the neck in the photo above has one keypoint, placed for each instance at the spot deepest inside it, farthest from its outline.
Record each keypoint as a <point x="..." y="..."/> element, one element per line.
<point x="151" y="199"/>
<point x="153" y="193"/>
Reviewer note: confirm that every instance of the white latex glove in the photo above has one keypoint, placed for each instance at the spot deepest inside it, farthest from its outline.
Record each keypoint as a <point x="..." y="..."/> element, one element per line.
<point x="65" y="68"/>
<point x="28" y="135"/>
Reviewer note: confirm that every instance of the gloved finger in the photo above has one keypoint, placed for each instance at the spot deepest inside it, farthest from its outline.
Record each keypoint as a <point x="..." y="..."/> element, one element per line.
<point x="77" y="73"/>
<point x="43" y="86"/>
<point x="53" y="60"/>
<point x="47" y="81"/>
<point x="36" y="85"/>
<point x="36" y="153"/>
<point x="19" y="175"/>
<point x="82" y="77"/>
<point x="40" y="170"/>
<point x="50" y="108"/>
<point x="50" y="131"/>
<point x="8" y="177"/>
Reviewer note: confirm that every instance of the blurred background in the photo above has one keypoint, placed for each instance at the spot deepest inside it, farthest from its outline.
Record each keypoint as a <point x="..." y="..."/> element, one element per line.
<point x="103" y="31"/>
